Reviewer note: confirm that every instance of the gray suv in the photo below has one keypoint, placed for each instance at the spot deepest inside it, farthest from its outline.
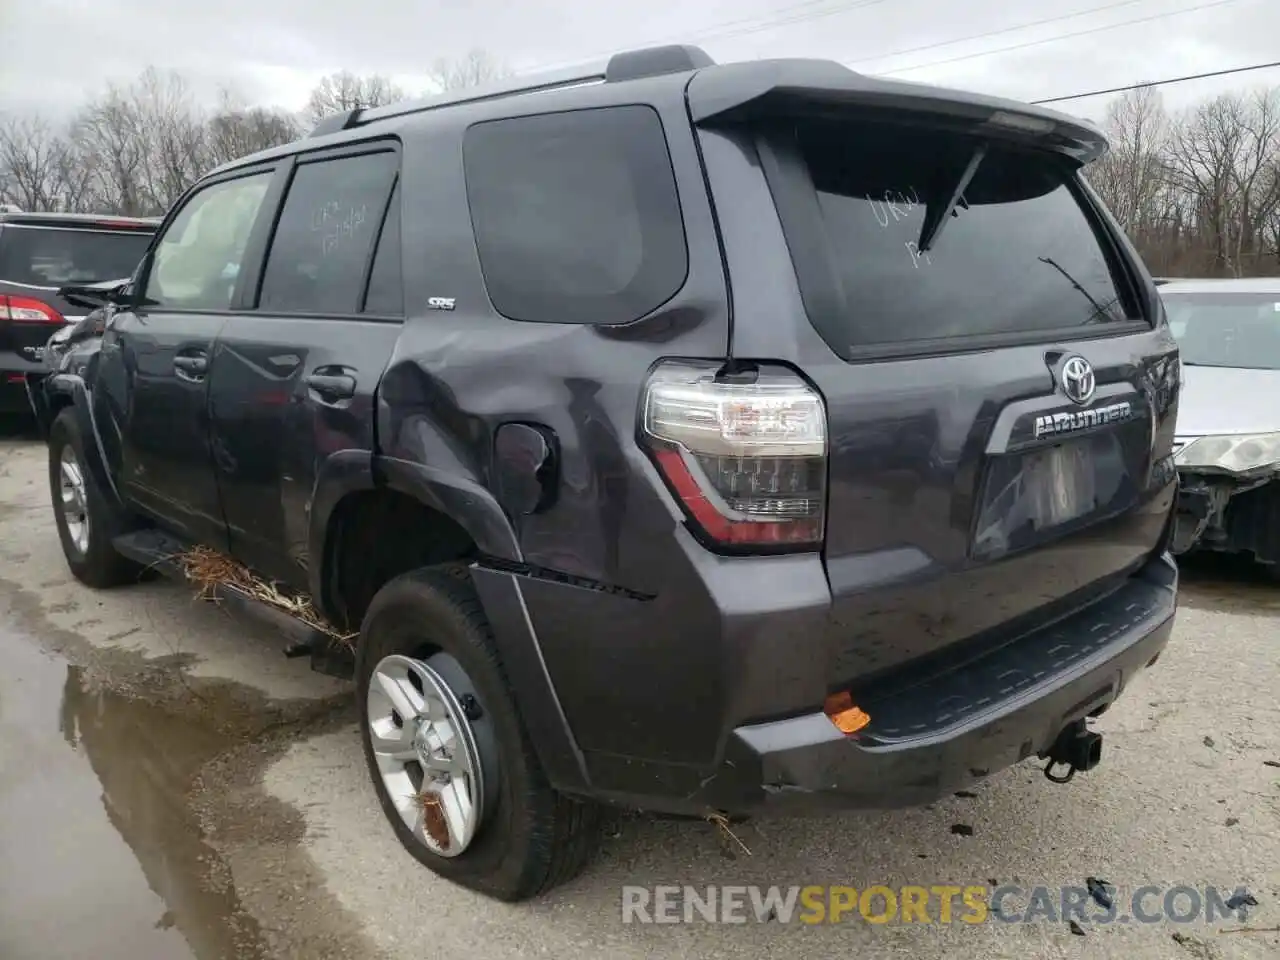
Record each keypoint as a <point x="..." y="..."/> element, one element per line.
<point x="688" y="437"/>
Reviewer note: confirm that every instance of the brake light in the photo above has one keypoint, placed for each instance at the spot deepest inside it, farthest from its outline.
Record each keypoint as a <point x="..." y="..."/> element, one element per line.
<point x="27" y="310"/>
<point x="746" y="457"/>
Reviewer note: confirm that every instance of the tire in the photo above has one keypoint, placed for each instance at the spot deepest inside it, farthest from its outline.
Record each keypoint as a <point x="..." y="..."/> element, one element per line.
<point x="531" y="838"/>
<point x="93" y="560"/>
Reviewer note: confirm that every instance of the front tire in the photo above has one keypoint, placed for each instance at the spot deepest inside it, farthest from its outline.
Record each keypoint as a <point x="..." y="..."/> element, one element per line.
<point x="433" y="696"/>
<point x="84" y="516"/>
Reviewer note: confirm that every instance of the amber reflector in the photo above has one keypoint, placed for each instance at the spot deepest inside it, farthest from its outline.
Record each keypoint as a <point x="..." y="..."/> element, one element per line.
<point x="841" y="711"/>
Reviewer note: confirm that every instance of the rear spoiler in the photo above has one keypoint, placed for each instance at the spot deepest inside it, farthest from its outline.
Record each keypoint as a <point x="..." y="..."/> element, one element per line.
<point x="774" y="89"/>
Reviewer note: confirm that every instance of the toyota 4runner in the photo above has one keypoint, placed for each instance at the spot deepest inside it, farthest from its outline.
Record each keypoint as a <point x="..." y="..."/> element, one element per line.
<point x="678" y="436"/>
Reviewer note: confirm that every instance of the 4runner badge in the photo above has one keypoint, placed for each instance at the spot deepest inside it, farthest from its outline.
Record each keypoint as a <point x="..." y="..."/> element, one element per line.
<point x="1048" y="424"/>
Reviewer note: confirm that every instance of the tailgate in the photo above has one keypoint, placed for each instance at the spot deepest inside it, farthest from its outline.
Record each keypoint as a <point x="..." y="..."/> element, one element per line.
<point x="957" y="511"/>
<point x="999" y="391"/>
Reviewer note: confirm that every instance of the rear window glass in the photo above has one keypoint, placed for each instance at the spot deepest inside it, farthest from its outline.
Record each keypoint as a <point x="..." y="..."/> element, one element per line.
<point x="53" y="257"/>
<point x="576" y="215"/>
<point x="1017" y="254"/>
<point x="1226" y="329"/>
<point x="320" y="253"/>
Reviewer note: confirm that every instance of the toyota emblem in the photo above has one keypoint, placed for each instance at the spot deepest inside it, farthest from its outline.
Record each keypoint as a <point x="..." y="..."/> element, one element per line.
<point x="1077" y="380"/>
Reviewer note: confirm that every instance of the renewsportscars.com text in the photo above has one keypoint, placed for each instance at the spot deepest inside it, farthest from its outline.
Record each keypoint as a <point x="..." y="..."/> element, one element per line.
<point x="939" y="904"/>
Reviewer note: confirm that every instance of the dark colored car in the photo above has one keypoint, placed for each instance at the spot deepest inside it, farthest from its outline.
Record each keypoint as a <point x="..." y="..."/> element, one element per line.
<point x="682" y="437"/>
<point x="40" y="253"/>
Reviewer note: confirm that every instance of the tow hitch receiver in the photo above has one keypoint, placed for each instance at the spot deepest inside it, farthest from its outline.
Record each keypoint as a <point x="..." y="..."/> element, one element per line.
<point x="1076" y="748"/>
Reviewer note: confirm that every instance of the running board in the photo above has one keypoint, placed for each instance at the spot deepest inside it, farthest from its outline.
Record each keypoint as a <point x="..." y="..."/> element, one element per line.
<point x="160" y="552"/>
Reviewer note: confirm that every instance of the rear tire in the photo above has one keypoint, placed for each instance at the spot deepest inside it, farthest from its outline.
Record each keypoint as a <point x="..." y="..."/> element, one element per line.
<point x="531" y="838"/>
<point x="85" y="518"/>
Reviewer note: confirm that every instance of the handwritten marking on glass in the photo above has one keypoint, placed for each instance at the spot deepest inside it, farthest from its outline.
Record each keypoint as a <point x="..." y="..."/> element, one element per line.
<point x="916" y="255"/>
<point x="337" y="225"/>
<point x="897" y="205"/>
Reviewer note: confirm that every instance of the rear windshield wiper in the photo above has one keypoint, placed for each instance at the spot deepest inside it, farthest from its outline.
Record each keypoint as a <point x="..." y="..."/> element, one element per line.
<point x="936" y="215"/>
<point x="1099" y="310"/>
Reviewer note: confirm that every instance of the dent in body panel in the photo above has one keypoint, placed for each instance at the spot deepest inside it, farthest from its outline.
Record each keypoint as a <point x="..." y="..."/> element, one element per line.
<point x="666" y="679"/>
<point x="458" y="375"/>
<point x="578" y="383"/>
<point x="273" y="434"/>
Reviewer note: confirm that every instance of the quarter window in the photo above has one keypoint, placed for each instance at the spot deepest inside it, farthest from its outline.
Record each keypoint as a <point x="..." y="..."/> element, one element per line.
<point x="576" y="215"/>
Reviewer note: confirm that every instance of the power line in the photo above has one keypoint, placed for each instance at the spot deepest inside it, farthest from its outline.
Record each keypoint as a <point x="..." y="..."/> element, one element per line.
<point x="1161" y="83"/>
<point x="727" y="29"/>
<point x="996" y="33"/>
<point x="1062" y="36"/>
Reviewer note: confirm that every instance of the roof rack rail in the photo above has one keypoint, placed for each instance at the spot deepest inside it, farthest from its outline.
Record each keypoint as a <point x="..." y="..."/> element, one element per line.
<point x="630" y="65"/>
<point x="655" y="62"/>
<point x="334" y="122"/>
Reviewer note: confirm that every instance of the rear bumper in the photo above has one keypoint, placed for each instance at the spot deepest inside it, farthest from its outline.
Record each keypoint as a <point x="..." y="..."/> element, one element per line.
<point x="930" y="733"/>
<point x="959" y="726"/>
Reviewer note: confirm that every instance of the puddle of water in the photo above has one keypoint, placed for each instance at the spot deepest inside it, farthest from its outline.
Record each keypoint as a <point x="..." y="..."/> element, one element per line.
<point x="102" y="855"/>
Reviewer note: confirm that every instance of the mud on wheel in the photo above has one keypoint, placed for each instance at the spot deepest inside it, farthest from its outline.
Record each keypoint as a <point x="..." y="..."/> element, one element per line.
<point x="447" y="751"/>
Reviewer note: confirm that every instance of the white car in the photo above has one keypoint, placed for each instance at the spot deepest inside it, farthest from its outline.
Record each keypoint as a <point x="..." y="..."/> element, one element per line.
<point x="1227" y="448"/>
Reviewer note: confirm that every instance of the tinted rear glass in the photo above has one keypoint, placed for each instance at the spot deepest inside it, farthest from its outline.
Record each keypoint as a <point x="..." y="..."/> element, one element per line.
<point x="51" y="257"/>
<point x="320" y="253"/>
<point x="1018" y="254"/>
<point x="1226" y="329"/>
<point x="576" y="215"/>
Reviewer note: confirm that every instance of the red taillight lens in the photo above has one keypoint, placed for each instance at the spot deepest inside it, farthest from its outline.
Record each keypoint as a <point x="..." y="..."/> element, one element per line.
<point x="747" y="458"/>
<point x="27" y="310"/>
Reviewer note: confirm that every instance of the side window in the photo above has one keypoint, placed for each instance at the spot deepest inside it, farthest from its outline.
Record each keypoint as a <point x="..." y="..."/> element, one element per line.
<point x="321" y="248"/>
<point x="576" y="215"/>
<point x="197" y="260"/>
<point x="386" y="295"/>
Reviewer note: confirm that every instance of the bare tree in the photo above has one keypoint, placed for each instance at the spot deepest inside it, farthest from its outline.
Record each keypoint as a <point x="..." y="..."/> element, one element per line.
<point x="473" y="70"/>
<point x="1131" y="176"/>
<point x="1198" y="191"/>
<point x="343" y="91"/>
<point x="173" y="136"/>
<point x="33" y="160"/>
<point x="235" y="130"/>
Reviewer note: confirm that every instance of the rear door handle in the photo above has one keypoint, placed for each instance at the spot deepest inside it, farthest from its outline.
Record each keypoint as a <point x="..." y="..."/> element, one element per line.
<point x="191" y="367"/>
<point x="333" y="386"/>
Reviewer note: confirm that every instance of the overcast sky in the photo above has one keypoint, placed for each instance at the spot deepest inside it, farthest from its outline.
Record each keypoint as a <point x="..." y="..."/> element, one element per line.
<point x="58" y="53"/>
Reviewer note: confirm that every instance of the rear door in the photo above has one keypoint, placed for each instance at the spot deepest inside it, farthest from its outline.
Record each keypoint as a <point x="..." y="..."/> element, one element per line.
<point x="37" y="258"/>
<point x="151" y="387"/>
<point x="998" y="450"/>
<point x="294" y="371"/>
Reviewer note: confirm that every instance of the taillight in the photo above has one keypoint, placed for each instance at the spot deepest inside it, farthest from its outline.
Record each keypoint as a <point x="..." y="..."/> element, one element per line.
<point x="746" y="456"/>
<point x="27" y="310"/>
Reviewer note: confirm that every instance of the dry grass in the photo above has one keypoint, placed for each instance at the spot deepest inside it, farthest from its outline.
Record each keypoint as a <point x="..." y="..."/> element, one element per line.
<point x="721" y="823"/>
<point x="211" y="570"/>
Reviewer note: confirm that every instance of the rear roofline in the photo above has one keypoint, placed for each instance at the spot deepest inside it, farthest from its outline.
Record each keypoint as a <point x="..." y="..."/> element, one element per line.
<point x="754" y="90"/>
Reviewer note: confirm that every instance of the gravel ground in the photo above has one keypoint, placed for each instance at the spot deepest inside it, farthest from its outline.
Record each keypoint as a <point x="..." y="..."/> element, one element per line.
<point x="171" y="786"/>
